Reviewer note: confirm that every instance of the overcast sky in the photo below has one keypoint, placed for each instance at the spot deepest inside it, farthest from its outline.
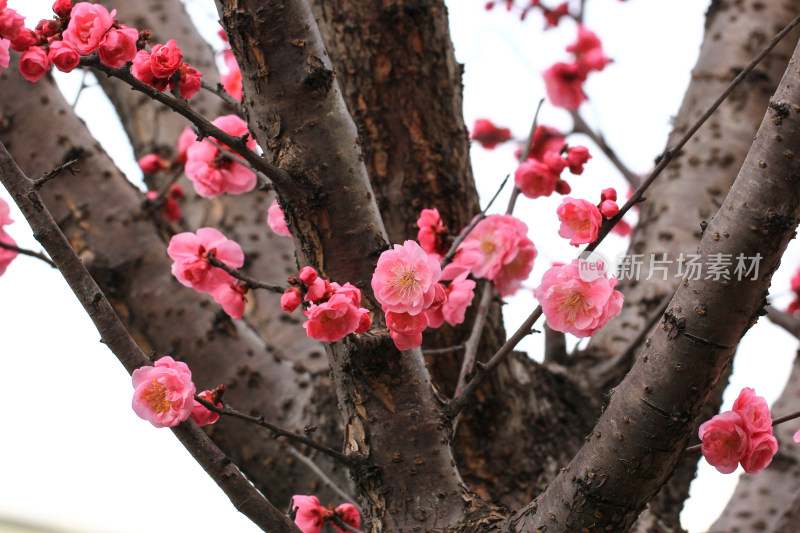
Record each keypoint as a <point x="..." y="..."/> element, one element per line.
<point x="72" y="452"/>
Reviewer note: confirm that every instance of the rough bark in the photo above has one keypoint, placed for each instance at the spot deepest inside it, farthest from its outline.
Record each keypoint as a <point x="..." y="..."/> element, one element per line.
<point x="651" y="415"/>
<point x="102" y="215"/>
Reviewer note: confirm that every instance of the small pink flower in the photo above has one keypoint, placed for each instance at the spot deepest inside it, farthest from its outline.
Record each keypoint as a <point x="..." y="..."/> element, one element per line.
<point x="170" y="209"/>
<point x="191" y="267"/>
<point x="88" y="25"/>
<point x="577" y="156"/>
<point x="11" y="24"/>
<point x="142" y="70"/>
<point x="431" y="232"/>
<point x="725" y="441"/>
<point x="5" y="57"/>
<point x="545" y="139"/>
<point x="213" y="172"/>
<point x="460" y="294"/>
<point x="489" y="135"/>
<point x="62" y="8"/>
<point x="152" y="163"/>
<point x="63" y="56"/>
<point x="34" y="63"/>
<point x="553" y="16"/>
<point x="609" y="194"/>
<point x="310" y="515"/>
<point x="291" y="299"/>
<point x="535" y="179"/>
<point x="118" y="46"/>
<point x="563" y="83"/>
<point x="405" y="277"/>
<point x="754" y="411"/>
<point x="165" y="59"/>
<point x="6" y="256"/>
<point x="201" y="414"/>
<point x="622" y="228"/>
<point x="189" y="82"/>
<point x="763" y="447"/>
<point x="349" y="515"/>
<point x="588" y="50"/>
<point x="24" y="40"/>
<point x="609" y="208"/>
<point x="318" y="290"/>
<point x="276" y="220"/>
<point x="510" y="277"/>
<point x="580" y="221"/>
<point x="572" y="305"/>
<point x="332" y="320"/>
<point x="164" y="393"/>
<point x="405" y="329"/>
<point x="232" y="80"/>
<point x="308" y="275"/>
<point x="230" y="296"/>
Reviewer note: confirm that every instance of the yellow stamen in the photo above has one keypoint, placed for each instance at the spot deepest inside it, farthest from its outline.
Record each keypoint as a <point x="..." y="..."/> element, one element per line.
<point x="405" y="280"/>
<point x="156" y="397"/>
<point x="572" y="304"/>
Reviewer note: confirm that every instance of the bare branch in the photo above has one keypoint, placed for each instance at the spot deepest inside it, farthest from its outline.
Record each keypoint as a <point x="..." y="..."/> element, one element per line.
<point x="582" y="127"/>
<point x="784" y="320"/>
<point x="30" y="253"/>
<point x="220" y="91"/>
<point x="69" y="165"/>
<point x="475" y="336"/>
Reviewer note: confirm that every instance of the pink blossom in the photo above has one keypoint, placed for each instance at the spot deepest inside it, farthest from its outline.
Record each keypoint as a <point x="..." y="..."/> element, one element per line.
<point x="88" y="24"/>
<point x="510" y="277"/>
<point x="62" y="8"/>
<point x="230" y="296"/>
<point x="489" y="135"/>
<point x="572" y="305"/>
<point x="170" y="209"/>
<point x="535" y="179"/>
<point x="24" y="40"/>
<point x="434" y="310"/>
<point x="142" y="70"/>
<point x="118" y="46"/>
<point x="291" y="299"/>
<point x="11" y="23"/>
<point x="34" y="63"/>
<point x="191" y="266"/>
<point x="431" y="232"/>
<point x="189" y="82"/>
<point x="725" y="441"/>
<point x="186" y="139"/>
<point x="580" y="221"/>
<point x="577" y="156"/>
<point x="754" y="411"/>
<point x="563" y="83"/>
<point x="553" y="16"/>
<point x="330" y="321"/>
<point x="310" y="515"/>
<point x="308" y="276"/>
<point x="622" y="228"/>
<point x="164" y="393"/>
<point x="276" y="220"/>
<point x="165" y="59"/>
<point x="232" y="80"/>
<point x="318" y="290"/>
<point x="545" y="139"/>
<point x="152" y="163"/>
<point x="6" y="256"/>
<point x="405" y="278"/>
<point x="3" y="4"/>
<point x="213" y="172"/>
<point x="588" y="50"/>
<point x="348" y="513"/>
<point x="763" y="447"/>
<point x="5" y="57"/>
<point x="405" y="329"/>
<point x="609" y="208"/>
<point x="63" y="56"/>
<point x="609" y="194"/>
<point x="459" y="295"/>
<point x="201" y="414"/>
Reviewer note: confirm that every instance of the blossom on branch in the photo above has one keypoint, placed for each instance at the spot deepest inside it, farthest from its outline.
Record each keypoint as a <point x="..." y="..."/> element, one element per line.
<point x="485" y="132"/>
<point x="164" y="393"/>
<point x="63" y="56"/>
<point x="201" y="414"/>
<point x="405" y="278"/>
<point x="310" y="515"/>
<point x="563" y="83"/>
<point x="118" y="46"/>
<point x="580" y="221"/>
<point x="87" y="27"/>
<point x="190" y="253"/>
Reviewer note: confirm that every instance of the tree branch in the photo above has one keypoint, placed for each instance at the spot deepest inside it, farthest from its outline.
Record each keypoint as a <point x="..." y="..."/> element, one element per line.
<point x="784" y="320"/>
<point x="580" y="126"/>
<point x="251" y="282"/>
<point x="31" y="253"/>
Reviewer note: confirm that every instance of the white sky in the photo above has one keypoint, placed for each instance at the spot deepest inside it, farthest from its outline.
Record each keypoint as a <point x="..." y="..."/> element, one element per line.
<point x="74" y="455"/>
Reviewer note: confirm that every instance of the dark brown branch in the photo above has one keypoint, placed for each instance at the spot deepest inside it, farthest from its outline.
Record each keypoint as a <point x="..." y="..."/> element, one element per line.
<point x="471" y="345"/>
<point x="580" y="126"/>
<point x="440" y="351"/>
<point x="278" y="431"/>
<point x="31" y="253"/>
<point x="555" y="346"/>
<point x="346" y="527"/>
<point x="69" y="165"/>
<point x="220" y="91"/>
<point x="251" y="282"/>
<point x="784" y="320"/>
<point x="241" y="492"/>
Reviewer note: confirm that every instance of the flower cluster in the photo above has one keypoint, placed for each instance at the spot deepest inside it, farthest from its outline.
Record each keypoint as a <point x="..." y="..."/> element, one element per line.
<point x="163" y="66"/>
<point x="214" y="171"/>
<point x="581" y="220"/>
<point x="334" y="310"/>
<point x="433" y="236"/>
<point x="548" y="157"/>
<point x="164" y="393"/>
<point x="575" y="305"/>
<point x="564" y="81"/>
<point x="6" y="255"/>
<point x="742" y="435"/>
<point x="192" y="267"/>
<point x="310" y="516"/>
<point x="485" y="132"/>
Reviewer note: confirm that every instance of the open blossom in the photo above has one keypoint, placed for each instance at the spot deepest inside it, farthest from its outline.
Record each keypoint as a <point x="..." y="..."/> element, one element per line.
<point x="34" y="63"/>
<point x="332" y="320"/>
<point x="11" y="24"/>
<point x="534" y="179"/>
<point x="118" y="46"/>
<point x="577" y="156"/>
<point x="489" y="135"/>
<point x="165" y="59"/>
<point x="189" y="82"/>
<point x="88" y="25"/>
<point x="310" y="516"/>
<point x="563" y="83"/>
<point x="431" y="232"/>
<point x="213" y="172"/>
<point x="201" y="414"/>
<point x="232" y="297"/>
<point x="545" y="139"/>
<point x="457" y="297"/>
<point x="724" y="441"/>
<point x="405" y="278"/>
<point x="63" y="56"/>
<point x="164" y="393"/>
<point x="191" y="267"/>
<point x="276" y="220"/>
<point x="580" y="221"/>
<point x="572" y="305"/>
<point x="405" y="329"/>
<point x="588" y="50"/>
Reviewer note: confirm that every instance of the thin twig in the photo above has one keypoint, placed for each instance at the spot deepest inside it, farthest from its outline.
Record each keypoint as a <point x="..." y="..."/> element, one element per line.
<point x="80" y="89"/>
<point x="475" y="336"/>
<point x="456" y="243"/>
<point x="775" y="421"/>
<point x="523" y="156"/>
<point x="580" y="126"/>
<point x="251" y="282"/>
<point x="206" y="128"/>
<point x="309" y="462"/>
<point x="345" y="526"/>
<point x="278" y="431"/>
<point x="50" y="174"/>
<point x="220" y="91"/>
<point x="31" y="253"/>
<point x="784" y="320"/>
<point x="440" y="351"/>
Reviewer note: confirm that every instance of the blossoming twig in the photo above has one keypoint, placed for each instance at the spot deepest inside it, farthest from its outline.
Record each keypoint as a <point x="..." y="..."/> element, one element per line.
<point x="251" y="282"/>
<point x="31" y="253"/>
<point x="259" y="420"/>
<point x="691" y="450"/>
<point x="580" y="126"/>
